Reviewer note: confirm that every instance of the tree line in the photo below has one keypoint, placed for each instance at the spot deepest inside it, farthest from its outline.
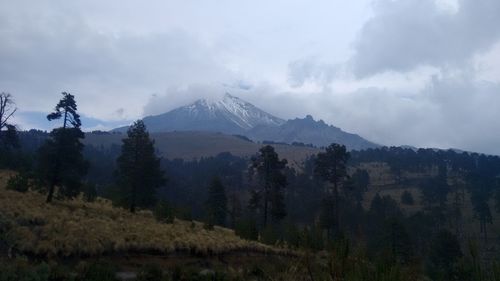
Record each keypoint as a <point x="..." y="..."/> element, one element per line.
<point x="321" y="206"/>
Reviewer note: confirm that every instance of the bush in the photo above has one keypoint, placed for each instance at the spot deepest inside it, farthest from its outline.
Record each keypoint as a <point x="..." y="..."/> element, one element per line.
<point x="89" y="192"/>
<point x="18" y="183"/>
<point x="247" y="229"/>
<point x="270" y="235"/>
<point x="163" y="212"/>
<point x="407" y="198"/>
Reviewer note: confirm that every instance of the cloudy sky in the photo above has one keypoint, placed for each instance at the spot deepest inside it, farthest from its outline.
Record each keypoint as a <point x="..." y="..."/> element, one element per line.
<point x="398" y="72"/>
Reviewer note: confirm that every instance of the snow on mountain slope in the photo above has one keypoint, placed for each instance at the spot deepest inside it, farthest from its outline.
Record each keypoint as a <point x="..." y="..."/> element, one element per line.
<point x="229" y="115"/>
<point x="242" y="113"/>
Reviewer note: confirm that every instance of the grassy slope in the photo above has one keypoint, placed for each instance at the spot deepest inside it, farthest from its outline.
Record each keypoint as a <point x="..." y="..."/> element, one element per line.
<point x="69" y="228"/>
<point x="191" y="145"/>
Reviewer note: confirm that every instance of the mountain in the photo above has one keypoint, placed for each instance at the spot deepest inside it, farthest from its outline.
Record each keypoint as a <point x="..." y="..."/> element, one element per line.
<point x="230" y="115"/>
<point x="309" y="131"/>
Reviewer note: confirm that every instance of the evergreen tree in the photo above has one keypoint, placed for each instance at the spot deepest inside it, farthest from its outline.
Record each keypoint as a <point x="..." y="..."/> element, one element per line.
<point x="331" y="167"/>
<point x="138" y="173"/>
<point x="270" y="171"/>
<point x="216" y="203"/>
<point x="443" y="257"/>
<point x="61" y="162"/>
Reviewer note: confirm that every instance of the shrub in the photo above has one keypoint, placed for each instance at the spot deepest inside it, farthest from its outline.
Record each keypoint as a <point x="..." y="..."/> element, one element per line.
<point x="18" y="183"/>
<point x="90" y="192"/>
<point x="270" y="235"/>
<point x="163" y="212"/>
<point x="247" y="229"/>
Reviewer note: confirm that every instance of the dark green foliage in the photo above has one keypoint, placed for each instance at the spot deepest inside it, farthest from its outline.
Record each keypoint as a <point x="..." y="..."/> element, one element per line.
<point x="150" y="272"/>
<point x="18" y="183"/>
<point x="331" y="166"/>
<point x="163" y="212"/>
<point x="435" y="190"/>
<point x="61" y="163"/>
<point x="497" y="200"/>
<point x="20" y="270"/>
<point x="246" y="228"/>
<point x="66" y="109"/>
<point x="60" y="158"/>
<point x="270" y="172"/>
<point x="89" y="192"/>
<point x="97" y="271"/>
<point x="312" y="238"/>
<point x="138" y="174"/>
<point x="397" y="240"/>
<point x="216" y="203"/>
<point x="9" y="138"/>
<point x="270" y="234"/>
<point x="407" y="198"/>
<point x="292" y="235"/>
<point x="384" y="207"/>
<point x="327" y="217"/>
<point x="444" y="255"/>
<point x="479" y="200"/>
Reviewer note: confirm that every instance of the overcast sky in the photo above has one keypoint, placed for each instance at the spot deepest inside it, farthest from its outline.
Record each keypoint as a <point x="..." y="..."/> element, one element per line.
<point x="398" y="72"/>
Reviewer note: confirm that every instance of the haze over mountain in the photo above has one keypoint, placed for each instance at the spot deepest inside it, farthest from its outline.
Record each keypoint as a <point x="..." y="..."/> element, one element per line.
<point x="232" y="115"/>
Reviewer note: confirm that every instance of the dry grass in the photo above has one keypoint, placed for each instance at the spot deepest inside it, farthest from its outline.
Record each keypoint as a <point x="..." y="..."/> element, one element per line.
<point x="194" y="145"/>
<point x="78" y="228"/>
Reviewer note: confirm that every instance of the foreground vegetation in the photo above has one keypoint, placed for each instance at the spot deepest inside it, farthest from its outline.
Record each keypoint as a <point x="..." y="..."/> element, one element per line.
<point x="79" y="228"/>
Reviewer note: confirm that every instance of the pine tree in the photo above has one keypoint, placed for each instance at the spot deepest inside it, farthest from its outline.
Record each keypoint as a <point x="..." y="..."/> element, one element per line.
<point x="270" y="171"/>
<point x="216" y="203"/>
<point x="139" y="173"/>
<point x="331" y="166"/>
<point x="61" y="162"/>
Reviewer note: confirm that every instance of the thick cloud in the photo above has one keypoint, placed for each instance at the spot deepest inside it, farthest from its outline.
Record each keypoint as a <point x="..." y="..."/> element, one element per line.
<point x="44" y="54"/>
<point x="403" y="35"/>
<point x="396" y="72"/>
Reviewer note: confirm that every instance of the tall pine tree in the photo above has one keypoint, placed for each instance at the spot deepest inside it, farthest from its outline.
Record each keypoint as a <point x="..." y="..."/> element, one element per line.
<point x="331" y="166"/>
<point x="61" y="162"/>
<point x="138" y="173"/>
<point x="270" y="171"/>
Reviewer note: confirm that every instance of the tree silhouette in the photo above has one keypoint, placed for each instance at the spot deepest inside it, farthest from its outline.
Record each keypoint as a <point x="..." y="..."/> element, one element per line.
<point x="8" y="132"/>
<point x="138" y="173"/>
<point x="270" y="171"/>
<point x="61" y="162"/>
<point x="331" y="167"/>
<point x="216" y="203"/>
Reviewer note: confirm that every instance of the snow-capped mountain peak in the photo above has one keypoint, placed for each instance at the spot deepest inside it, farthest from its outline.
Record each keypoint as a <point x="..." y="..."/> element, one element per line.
<point x="243" y="114"/>
<point x="227" y="114"/>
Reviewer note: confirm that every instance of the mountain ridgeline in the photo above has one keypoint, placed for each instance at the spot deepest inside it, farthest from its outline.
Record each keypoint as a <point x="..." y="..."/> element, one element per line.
<point x="232" y="115"/>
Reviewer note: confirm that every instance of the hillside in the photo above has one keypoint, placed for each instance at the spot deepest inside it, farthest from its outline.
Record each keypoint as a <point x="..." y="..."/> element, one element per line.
<point x="78" y="228"/>
<point x="192" y="145"/>
<point x="307" y="130"/>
